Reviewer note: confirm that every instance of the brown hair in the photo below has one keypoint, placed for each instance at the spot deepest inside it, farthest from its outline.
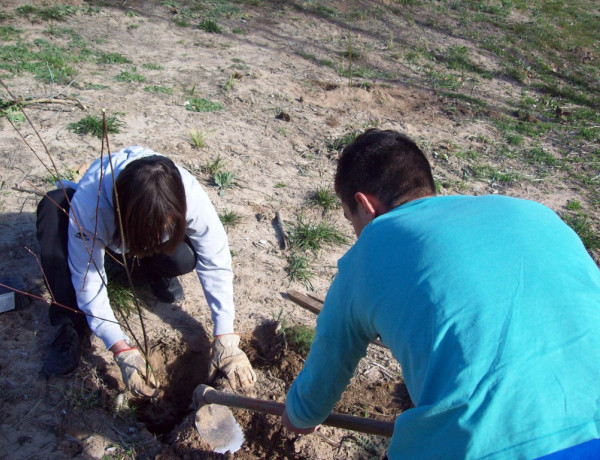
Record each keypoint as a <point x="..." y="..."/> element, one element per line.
<point x="153" y="205"/>
<point x="385" y="164"/>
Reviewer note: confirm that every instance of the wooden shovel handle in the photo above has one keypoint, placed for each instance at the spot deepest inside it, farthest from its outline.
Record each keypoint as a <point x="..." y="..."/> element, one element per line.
<point x="348" y="422"/>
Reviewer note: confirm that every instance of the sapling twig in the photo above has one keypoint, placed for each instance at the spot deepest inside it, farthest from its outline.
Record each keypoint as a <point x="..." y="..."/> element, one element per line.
<point x="42" y="270"/>
<point x="122" y="233"/>
<point x="55" y="172"/>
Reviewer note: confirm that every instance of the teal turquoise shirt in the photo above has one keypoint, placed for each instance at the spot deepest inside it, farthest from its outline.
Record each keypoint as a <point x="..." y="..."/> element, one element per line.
<point x="490" y="304"/>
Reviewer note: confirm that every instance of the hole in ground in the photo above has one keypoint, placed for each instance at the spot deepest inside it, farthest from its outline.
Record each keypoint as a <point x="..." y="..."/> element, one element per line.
<point x="179" y="371"/>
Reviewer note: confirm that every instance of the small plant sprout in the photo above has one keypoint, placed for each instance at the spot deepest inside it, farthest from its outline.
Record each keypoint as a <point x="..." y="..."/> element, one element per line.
<point x="130" y="76"/>
<point x="212" y="167"/>
<point x="67" y="174"/>
<point x="224" y="180"/>
<point x="198" y="139"/>
<point x="298" y="269"/>
<point x="325" y="198"/>
<point x="199" y="104"/>
<point x="230" y="218"/>
<point x="14" y="114"/>
<point x="342" y="141"/>
<point x="158" y="89"/>
<point x="230" y="83"/>
<point x="92" y="124"/>
<point x="313" y="236"/>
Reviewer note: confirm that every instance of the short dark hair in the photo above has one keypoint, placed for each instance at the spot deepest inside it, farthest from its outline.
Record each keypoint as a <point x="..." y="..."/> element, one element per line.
<point x="152" y="204"/>
<point x="385" y="164"/>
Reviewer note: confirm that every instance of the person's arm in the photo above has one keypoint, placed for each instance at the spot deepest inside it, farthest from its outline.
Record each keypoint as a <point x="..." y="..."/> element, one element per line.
<point x="338" y="346"/>
<point x="213" y="265"/>
<point x="86" y="263"/>
<point x="285" y="420"/>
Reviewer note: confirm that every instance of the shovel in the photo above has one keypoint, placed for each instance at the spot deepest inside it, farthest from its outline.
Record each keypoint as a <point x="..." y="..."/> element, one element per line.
<point x="219" y="429"/>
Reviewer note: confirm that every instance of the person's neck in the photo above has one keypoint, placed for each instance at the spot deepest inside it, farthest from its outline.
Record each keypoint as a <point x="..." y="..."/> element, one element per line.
<point x="412" y="196"/>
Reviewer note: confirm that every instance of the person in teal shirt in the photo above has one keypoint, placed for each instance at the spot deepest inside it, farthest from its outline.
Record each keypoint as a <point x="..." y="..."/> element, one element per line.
<point x="490" y="304"/>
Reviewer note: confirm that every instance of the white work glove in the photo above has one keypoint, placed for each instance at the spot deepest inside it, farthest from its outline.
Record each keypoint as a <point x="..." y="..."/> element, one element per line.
<point x="133" y="370"/>
<point x="227" y="358"/>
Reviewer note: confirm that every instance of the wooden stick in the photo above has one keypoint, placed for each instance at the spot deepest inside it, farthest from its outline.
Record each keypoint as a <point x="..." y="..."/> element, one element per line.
<point x="281" y="228"/>
<point x="35" y="192"/>
<point x="49" y="100"/>
<point x="305" y="301"/>
<point x="315" y="304"/>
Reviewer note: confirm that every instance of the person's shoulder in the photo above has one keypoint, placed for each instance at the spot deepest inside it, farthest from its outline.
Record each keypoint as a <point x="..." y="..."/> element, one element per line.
<point x="516" y="202"/>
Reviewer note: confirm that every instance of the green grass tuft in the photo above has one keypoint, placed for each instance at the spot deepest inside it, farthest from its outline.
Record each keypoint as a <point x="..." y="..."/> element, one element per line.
<point x="313" y="236"/>
<point x="67" y="174"/>
<point x="298" y="269"/>
<point x="582" y="225"/>
<point x="299" y="338"/>
<point x="50" y="13"/>
<point x="341" y="142"/>
<point x="325" y="198"/>
<point x="130" y="76"/>
<point x="14" y="114"/>
<point x="199" y="104"/>
<point x="9" y="33"/>
<point x="92" y="124"/>
<point x="212" y="167"/>
<point x="230" y="218"/>
<point x="210" y="26"/>
<point x="112" y="58"/>
<point x="198" y="139"/>
<point x="158" y="89"/>
<point x="121" y="297"/>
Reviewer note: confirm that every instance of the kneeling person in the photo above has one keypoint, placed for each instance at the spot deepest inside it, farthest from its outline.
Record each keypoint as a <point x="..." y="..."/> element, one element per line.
<point x="169" y="227"/>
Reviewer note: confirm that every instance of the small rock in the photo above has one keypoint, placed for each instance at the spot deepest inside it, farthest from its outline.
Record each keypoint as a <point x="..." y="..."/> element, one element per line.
<point x="283" y="116"/>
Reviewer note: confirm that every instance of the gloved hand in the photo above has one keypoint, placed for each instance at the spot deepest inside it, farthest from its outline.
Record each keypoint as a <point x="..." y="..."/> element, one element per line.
<point x="133" y="370"/>
<point x="231" y="361"/>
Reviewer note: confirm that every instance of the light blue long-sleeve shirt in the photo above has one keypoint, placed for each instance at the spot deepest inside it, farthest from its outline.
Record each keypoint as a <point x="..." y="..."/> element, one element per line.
<point x="91" y="230"/>
<point x="490" y="304"/>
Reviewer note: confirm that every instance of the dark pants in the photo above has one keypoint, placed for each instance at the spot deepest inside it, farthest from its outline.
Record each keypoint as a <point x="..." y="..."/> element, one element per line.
<point x="52" y="234"/>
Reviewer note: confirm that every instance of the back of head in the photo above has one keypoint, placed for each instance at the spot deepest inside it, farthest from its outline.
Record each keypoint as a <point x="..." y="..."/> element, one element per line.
<point x="385" y="164"/>
<point x="152" y="206"/>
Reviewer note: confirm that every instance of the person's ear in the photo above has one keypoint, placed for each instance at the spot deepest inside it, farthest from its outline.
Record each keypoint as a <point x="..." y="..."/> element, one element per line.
<point x="371" y="205"/>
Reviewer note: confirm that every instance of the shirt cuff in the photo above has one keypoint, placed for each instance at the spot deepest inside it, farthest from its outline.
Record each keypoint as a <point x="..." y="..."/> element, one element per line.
<point x="293" y="419"/>
<point x="223" y="326"/>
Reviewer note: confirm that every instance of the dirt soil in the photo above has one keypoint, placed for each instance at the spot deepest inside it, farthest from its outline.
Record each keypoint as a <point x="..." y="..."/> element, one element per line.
<point x="279" y="119"/>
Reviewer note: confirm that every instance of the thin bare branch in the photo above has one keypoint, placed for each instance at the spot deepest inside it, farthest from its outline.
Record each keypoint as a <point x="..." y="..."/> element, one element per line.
<point x="26" y="190"/>
<point x="43" y="273"/>
<point x="63" y="100"/>
<point x="33" y="296"/>
<point x="123" y="249"/>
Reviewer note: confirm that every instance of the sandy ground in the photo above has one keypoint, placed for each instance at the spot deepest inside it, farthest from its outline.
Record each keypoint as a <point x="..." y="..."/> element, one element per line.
<point x="278" y="161"/>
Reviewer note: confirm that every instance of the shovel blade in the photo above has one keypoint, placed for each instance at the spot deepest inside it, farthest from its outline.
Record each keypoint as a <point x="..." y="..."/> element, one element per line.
<point x="218" y="428"/>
